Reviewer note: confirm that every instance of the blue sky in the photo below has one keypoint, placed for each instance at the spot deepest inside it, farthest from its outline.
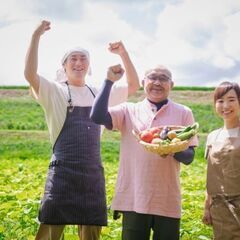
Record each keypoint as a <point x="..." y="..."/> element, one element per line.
<point x="197" y="40"/>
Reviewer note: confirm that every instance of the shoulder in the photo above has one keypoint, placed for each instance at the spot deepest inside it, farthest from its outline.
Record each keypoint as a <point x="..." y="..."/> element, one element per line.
<point x="212" y="136"/>
<point x="179" y="106"/>
<point x="94" y="89"/>
<point x="45" y="83"/>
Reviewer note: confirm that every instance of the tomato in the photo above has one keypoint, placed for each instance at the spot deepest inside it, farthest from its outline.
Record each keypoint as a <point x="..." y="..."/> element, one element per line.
<point x="146" y="136"/>
<point x="154" y="130"/>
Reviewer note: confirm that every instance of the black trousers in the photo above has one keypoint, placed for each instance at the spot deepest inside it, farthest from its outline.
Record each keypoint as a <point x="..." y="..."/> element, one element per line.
<point x="137" y="226"/>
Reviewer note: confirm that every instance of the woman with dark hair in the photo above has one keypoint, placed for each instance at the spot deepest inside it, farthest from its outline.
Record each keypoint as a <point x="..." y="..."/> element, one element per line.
<point x="222" y="204"/>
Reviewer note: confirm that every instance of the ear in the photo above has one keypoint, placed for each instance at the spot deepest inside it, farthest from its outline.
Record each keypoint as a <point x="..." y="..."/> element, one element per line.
<point x="143" y="81"/>
<point x="63" y="66"/>
<point x="172" y="84"/>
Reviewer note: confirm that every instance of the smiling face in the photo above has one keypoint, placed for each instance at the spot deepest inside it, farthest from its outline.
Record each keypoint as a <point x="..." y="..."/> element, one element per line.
<point x="157" y="84"/>
<point x="76" y="67"/>
<point x="228" y="106"/>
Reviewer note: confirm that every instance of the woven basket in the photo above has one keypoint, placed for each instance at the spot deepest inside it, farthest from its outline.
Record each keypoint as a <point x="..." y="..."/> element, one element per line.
<point x="164" y="149"/>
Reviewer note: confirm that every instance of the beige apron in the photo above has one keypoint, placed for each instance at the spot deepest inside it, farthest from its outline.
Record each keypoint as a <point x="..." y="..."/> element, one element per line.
<point x="223" y="185"/>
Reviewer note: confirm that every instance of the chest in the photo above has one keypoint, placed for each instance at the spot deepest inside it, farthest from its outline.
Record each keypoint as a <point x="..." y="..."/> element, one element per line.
<point x="81" y="97"/>
<point x="143" y="118"/>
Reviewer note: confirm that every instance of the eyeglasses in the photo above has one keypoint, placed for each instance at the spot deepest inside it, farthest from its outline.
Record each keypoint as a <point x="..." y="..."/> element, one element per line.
<point x="161" y="78"/>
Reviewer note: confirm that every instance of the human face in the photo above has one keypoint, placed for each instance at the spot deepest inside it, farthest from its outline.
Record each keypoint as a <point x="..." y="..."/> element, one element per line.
<point x="76" y="67"/>
<point x="157" y="86"/>
<point x="228" y="106"/>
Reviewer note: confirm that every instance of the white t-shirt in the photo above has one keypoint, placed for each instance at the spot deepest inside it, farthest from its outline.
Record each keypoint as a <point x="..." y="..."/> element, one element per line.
<point x="53" y="97"/>
<point x="221" y="134"/>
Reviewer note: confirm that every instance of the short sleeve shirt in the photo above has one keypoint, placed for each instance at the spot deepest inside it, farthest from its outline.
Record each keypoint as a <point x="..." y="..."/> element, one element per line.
<point x="220" y="135"/>
<point x="148" y="183"/>
<point x="53" y="97"/>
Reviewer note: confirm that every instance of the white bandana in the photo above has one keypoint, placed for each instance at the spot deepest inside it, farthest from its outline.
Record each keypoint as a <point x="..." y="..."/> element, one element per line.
<point x="60" y="74"/>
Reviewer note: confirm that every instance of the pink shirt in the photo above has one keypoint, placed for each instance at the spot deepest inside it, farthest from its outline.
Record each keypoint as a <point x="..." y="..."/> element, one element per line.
<point x="148" y="183"/>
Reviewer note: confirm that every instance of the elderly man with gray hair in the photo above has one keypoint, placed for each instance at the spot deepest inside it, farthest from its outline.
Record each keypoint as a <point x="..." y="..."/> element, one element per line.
<point x="75" y="186"/>
<point x="148" y="186"/>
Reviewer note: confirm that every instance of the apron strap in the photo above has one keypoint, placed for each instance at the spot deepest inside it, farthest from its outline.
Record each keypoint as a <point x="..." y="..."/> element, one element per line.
<point x="71" y="107"/>
<point x="90" y="90"/>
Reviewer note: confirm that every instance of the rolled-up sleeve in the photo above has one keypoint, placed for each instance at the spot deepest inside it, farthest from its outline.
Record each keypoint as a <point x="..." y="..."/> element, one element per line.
<point x="118" y="116"/>
<point x="119" y="94"/>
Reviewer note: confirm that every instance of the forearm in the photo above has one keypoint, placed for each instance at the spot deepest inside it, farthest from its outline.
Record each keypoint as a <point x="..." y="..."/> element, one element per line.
<point x="131" y="74"/>
<point x="99" y="113"/>
<point x="185" y="157"/>
<point x="31" y="62"/>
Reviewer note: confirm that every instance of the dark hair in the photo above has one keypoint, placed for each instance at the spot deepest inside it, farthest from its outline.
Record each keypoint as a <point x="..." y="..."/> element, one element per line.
<point x="224" y="87"/>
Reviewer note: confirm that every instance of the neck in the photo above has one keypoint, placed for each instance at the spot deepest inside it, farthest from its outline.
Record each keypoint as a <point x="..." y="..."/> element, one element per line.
<point x="233" y="123"/>
<point x="163" y="101"/>
<point x="77" y="82"/>
<point x="159" y="104"/>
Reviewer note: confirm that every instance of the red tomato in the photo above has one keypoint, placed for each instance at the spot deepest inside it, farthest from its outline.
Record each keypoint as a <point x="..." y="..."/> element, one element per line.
<point x="146" y="136"/>
<point x="154" y="130"/>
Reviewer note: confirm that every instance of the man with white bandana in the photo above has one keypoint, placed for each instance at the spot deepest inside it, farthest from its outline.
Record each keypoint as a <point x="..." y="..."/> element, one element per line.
<point x="75" y="187"/>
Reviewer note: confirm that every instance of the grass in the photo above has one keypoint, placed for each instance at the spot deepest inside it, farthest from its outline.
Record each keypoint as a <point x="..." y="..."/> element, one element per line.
<point x="24" y="156"/>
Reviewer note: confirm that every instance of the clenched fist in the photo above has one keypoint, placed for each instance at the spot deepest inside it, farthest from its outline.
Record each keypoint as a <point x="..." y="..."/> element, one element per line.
<point x="115" y="72"/>
<point x="117" y="48"/>
<point x="42" y="28"/>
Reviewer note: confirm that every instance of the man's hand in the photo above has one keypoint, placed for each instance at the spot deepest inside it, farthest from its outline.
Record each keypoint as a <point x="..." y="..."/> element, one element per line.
<point x="42" y="28"/>
<point x="115" y="72"/>
<point x="117" y="48"/>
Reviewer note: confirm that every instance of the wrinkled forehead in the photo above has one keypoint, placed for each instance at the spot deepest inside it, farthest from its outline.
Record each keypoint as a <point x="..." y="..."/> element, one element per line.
<point x="78" y="52"/>
<point x="159" y="71"/>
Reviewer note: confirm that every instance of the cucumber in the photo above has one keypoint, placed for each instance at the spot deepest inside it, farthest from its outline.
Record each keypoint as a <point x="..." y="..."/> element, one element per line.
<point x="186" y="135"/>
<point x="186" y="129"/>
<point x="195" y="126"/>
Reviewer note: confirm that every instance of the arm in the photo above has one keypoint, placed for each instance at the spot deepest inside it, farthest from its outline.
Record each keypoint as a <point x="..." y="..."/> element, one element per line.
<point x="31" y="61"/>
<point x="185" y="157"/>
<point x="207" y="215"/>
<point x="99" y="113"/>
<point x="131" y="74"/>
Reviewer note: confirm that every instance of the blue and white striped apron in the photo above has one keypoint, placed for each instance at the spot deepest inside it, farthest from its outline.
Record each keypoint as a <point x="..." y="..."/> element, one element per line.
<point x="75" y="185"/>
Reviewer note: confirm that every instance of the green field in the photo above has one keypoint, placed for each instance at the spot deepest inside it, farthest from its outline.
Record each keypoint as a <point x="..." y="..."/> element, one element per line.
<point x="25" y="152"/>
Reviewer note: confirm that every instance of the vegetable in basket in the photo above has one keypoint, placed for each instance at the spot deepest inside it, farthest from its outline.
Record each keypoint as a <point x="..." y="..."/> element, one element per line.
<point x="168" y="134"/>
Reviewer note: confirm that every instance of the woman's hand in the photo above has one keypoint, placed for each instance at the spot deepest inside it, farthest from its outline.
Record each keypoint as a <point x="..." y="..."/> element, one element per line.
<point x="207" y="219"/>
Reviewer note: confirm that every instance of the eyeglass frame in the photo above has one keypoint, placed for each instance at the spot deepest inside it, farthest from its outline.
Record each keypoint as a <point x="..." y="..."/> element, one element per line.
<point x="162" y="78"/>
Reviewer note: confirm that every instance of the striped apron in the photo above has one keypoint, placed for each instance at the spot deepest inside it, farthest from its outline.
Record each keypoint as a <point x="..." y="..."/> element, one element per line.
<point x="75" y="186"/>
<point x="223" y="185"/>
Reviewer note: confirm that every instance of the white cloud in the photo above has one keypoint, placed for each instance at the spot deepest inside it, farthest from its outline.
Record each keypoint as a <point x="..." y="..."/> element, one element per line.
<point x="187" y="33"/>
<point x="14" y="10"/>
<point x="232" y="37"/>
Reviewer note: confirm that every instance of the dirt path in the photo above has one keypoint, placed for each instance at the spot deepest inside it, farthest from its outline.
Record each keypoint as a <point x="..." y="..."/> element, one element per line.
<point x="8" y="93"/>
<point x="201" y="97"/>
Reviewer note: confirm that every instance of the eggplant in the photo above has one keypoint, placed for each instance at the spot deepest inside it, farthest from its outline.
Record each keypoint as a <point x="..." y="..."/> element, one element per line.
<point x="164" y="132"/>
